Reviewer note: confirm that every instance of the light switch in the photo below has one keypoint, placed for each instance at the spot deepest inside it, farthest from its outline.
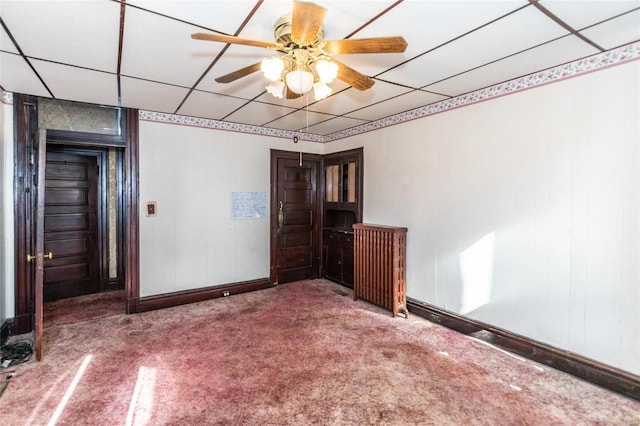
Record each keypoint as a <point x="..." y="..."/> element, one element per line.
<point x="151" y="208"/>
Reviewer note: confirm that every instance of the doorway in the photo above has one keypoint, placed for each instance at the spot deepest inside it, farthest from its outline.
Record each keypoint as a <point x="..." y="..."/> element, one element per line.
<point x="295" y="216"/>
<point x="26" y="210"/>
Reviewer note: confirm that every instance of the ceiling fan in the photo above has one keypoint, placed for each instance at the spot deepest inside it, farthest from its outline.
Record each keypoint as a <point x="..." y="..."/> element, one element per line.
<point x="307" y="59"/>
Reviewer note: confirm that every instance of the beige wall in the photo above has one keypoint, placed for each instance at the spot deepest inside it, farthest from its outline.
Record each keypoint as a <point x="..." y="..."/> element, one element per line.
<point x="524" y="211"/>
<point x="191" y="173"/>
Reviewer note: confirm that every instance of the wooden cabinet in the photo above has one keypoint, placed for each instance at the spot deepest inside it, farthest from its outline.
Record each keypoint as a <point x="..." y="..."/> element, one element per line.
<point x="338" y="256"/>
<point x="342" y="207"/>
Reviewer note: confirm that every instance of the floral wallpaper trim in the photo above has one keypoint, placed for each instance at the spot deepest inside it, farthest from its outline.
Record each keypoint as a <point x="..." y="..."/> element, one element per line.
<point x="224" y="125"/>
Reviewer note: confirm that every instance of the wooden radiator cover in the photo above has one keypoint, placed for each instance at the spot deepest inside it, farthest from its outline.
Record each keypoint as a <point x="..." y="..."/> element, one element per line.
<point x="380" y="266"/>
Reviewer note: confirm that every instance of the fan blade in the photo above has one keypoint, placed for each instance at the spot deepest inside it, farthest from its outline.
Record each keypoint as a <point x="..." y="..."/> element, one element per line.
<point x="366" y="45"/>
<point x="228" y="78"/>
<point x="306" y="21"/>
<point x="235" y="40"/>
<point x="291" y="95"/>
<point x="353" y="77"/>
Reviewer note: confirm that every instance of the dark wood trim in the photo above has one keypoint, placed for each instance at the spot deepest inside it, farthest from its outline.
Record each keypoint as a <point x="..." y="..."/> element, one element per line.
<point x="25" y="122"/>
<point x="356" y="154"/>
<point x="131" y="219"/>
<point x="5" y="329"/>
<point x="587" y="369"/>
<point x="168" y="300"/>
<point x="63" y="137"/>
<point x="121" y="255"/>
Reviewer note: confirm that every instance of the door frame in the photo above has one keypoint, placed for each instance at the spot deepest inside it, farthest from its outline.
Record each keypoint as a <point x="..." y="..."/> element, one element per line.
<point x="273" y="216"/>
<point x="25" y="127"/>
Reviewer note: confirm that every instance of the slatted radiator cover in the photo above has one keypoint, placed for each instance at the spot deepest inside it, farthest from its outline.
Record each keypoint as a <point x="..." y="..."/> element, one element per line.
<point x="380" y="266"/>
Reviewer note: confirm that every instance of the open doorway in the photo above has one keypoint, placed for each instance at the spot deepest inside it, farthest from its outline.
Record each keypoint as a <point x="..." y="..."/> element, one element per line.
<point x="83" y="212"/>
<point x="117" y="268"/>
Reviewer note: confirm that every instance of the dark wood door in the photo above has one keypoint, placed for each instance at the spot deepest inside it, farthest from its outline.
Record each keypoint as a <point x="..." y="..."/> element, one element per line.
<point x="71" y="226"/>
<point x="295" y="217"/>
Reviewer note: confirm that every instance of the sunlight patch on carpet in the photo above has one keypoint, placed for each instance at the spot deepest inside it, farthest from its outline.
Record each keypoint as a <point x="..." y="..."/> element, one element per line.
<point x="141" y="405"/>
<point x="70" y="390"/>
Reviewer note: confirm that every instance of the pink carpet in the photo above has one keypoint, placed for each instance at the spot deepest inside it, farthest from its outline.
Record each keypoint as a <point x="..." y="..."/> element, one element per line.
<point x="300" y="353"/>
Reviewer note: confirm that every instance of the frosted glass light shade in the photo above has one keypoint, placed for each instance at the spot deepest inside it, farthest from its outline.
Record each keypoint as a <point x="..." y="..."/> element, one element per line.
<point x="327" y="71"/>
<point x="299" y="81"/>
<point x="272" y="68"/>
<point x="276" y="88"/>
<point x="321" y="90"/>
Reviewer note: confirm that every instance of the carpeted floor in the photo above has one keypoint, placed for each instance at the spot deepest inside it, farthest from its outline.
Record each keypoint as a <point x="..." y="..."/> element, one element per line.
<point x="301" y="353"/>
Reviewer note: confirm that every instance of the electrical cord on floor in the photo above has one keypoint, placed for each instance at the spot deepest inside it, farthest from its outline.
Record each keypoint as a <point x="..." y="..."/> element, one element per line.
<point x="16" y="352"/>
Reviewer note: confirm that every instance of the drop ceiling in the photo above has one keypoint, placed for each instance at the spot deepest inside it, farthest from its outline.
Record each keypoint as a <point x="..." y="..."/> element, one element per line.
<point x="140" y="54"/>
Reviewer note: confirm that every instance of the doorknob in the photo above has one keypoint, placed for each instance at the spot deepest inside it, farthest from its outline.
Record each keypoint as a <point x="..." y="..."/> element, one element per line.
<point x="44" y="256"/>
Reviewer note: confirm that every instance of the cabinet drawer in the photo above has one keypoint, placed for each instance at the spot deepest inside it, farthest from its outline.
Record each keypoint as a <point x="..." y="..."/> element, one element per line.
<point x="338" y="238"/>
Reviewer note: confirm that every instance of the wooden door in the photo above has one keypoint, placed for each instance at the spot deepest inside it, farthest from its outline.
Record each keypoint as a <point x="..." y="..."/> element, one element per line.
<point x="71" y="226"/>
<point x="40" y="146"/>
<point x="294" y="216"/>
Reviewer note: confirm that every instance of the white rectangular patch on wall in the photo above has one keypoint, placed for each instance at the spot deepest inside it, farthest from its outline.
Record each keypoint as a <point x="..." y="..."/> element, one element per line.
<point x="248" y="205"/>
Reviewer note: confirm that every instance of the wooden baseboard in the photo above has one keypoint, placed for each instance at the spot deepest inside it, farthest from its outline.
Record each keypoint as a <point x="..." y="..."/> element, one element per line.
<point x="167" y="300"/>
<point x="587" y="369"/>
<point x="4" y="331"/>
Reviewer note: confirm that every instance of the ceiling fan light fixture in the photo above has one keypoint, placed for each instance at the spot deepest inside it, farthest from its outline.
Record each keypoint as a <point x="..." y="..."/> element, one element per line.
<point x="321" y="90"/>
<point x="299" y="81"/>
<point x="276" y="88"/>
<point x="327" y="70"/>
<point x="272" y="68"/>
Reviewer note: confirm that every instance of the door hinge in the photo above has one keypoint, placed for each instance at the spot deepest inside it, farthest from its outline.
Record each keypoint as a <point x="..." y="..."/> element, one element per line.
<point x="31" y="160"/>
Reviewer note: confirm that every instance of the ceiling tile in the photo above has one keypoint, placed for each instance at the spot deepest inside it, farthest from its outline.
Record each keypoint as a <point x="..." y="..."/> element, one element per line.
<point x="259" y="113"/>
<point x="204" y="13"/>
<point x="17" y="76"/>
<point x="73" y="32"/>
<point x="151" y="96"/>
<point x="352" y="99"/>
<point x="344" y="17"/>
<point x="161" y="49"/>
<point x="405" y="102"/>
<point x="521" y="30"/>
<point x="78" y="84"/>
<point x="335" y="125"/>
<point x="424" y="25"/>
<point x="298" y="121"/>
<point x="6" y="44"/>
<point x="582" y="13"/>
<point x="615" y="32"/>
<point x="560" y="51"/>
<point x="209" y="105"/>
